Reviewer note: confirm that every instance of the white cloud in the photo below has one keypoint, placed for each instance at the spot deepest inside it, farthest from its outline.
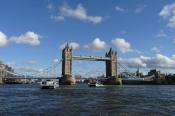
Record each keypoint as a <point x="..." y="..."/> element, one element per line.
<point x="27" y="69"/>
<point x="55" y="60"/>
<point x="79" y="13"/>
<point x="120" y="9"/>
<point x="173" y="57"/>
<point x="159" y="61"/>
<point x="155" y="49"/>
<point x="31" y="62"/>
<point x="168" y="13"/>
<point x="97" y="44"/>
<point x="164" y="61"/>
<point x="144" y="58"/>
<point x="122" y="45"/>
<point x="133" y="62"/>
<point x="58" y="18"/>
<point x="29" y="38"/>
<point x="50" y="7"/>
<point x="74" y="45"/>
<point x="161" y="33"/>
<point x="3" y="40"/>
<point x="140" y="8"/>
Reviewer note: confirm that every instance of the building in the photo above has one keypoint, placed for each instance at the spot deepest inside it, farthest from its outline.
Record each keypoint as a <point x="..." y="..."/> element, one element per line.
<point x="138" y="73"/>
<point x="4" y="69"/>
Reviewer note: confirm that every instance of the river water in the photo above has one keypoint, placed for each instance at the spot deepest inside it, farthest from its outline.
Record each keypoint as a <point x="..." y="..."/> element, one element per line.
<point x="125" y="100"/>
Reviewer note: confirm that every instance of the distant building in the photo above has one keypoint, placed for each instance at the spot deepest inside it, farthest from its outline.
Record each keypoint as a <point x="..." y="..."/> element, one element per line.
<point x="78" y="78"/>
<point x="138" y="73"/>
<point x="4" y="72"/>
<point x="159" y="78"/>
<point x="153" y="72"/>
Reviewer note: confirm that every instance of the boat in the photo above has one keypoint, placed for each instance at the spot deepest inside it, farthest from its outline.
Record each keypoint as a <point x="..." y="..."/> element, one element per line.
<point x="95" y="84"/>
<point x="136" y="80"/>
<point x="49" y="84"/>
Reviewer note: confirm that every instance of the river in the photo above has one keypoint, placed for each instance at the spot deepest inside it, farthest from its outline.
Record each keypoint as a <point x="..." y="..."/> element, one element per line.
<point x="124" y="100"/>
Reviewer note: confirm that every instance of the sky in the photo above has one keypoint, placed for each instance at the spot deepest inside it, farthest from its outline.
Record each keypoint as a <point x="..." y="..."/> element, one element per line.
<point x="32" y="33"/>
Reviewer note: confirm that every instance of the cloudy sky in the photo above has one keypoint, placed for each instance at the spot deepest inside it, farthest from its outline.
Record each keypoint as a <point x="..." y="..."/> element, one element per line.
<point x="32" y="33"/>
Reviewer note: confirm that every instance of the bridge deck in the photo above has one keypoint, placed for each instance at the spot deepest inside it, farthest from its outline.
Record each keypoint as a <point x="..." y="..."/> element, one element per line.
<point x="91" y="58"/>
<point x="33" y="78"/>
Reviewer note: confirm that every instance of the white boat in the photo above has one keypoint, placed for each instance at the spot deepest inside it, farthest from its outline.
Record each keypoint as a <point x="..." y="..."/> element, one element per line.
<point x="49" y="84"/>
<point x="95" y="84"/>
<point x="99" y="84"/>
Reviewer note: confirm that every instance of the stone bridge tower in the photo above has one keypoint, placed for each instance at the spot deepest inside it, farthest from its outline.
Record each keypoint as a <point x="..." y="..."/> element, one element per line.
<point x="67" y="66"/>
<point x="111" y="68"/>
<point x="111" y="65"/>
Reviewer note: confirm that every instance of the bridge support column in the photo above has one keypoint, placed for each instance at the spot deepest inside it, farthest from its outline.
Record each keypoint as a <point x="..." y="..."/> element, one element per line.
<point x="3" y="75"/>
<point x="67" y="78"/>
<point x="1" y="80"/>
<point x="111" y="69"/>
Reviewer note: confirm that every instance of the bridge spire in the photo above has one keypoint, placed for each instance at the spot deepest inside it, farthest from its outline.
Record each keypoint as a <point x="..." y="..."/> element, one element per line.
<point x="67" y="45"/>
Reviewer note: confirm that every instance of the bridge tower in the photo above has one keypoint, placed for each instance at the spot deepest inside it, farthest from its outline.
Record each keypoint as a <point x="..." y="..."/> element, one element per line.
<point x="67" y="66"/>
<point x="111" y="69"/>
<point x="111" y="65"/>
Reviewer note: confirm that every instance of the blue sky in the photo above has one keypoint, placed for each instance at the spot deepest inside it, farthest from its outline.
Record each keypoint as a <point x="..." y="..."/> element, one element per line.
<point x="32" y="32"/>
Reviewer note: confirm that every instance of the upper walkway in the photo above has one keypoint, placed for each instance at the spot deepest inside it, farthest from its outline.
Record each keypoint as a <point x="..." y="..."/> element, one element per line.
<point x="93" y="58"/>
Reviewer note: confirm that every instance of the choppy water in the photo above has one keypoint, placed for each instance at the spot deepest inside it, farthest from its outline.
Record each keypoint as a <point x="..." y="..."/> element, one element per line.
<point x="82" y="100"/>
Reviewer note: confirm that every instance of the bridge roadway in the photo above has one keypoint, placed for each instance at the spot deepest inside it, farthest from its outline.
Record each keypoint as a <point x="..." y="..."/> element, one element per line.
<point x="92" y="58"/>
<point x="33" y="77"/>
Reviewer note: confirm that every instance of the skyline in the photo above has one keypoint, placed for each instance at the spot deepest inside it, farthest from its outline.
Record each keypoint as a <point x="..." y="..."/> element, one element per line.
<point x="32" y="33"/>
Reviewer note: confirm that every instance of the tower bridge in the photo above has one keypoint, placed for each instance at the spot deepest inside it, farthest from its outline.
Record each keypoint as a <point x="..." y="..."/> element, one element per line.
<point x="110" y="59"/>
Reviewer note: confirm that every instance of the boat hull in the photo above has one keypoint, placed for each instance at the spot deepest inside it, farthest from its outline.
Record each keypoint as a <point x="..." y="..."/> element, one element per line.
<point x="138" y="82"/>
<point x="49" y="84"/>
<point x="95" y="85"/>
<point x="92" y="85"/>
<point x="47" y="87"/>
